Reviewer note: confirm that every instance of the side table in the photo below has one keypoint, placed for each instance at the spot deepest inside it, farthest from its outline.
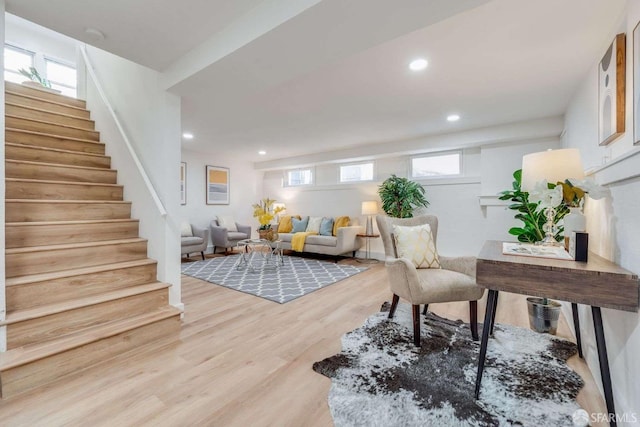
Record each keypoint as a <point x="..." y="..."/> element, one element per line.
<point x="367" y="245"/>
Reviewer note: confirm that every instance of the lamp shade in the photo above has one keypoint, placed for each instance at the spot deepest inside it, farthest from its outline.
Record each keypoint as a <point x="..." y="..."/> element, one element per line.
<point x="552" y="166"/>
<point x="369" y="207"/>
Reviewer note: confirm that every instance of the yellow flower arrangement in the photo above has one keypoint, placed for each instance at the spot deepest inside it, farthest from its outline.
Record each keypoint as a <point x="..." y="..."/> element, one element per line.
<point x="265" y="212"/>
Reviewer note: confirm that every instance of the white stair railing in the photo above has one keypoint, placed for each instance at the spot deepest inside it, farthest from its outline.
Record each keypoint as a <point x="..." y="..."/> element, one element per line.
<point x="147" y="182"/>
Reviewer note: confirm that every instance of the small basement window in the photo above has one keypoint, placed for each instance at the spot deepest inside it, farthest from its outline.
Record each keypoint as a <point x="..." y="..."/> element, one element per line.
<point x="437" y="165"/>
<point x="356" y="172"/>
<point x="15" y="59"/>
<point x="298" y="177"/>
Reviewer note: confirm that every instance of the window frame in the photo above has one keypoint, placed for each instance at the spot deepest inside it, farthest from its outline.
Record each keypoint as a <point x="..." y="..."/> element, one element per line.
<point x="20" y="50"/>
<point x="437" y="154"/>
<point x="48" y="59"/>
<point x="368" y="162"/>
<point x="285" y="178"/>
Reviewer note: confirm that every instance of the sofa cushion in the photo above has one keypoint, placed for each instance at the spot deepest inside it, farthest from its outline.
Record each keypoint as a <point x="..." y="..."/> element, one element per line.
<point x="326" y="227"/>
<point x="341" y="221"/>
<point x="299" y="225"/>
<point x="285" y="237"/>
<point x="227" y="222"/>
<point x="416" y="244"/>
<point x="188" y="241"/>
<point x="285" y="225"/>
<point x="321" y="240"/>
<point x="185" y="230"/>
<point x="236" y="235"/>
<point x="314" y="224"/>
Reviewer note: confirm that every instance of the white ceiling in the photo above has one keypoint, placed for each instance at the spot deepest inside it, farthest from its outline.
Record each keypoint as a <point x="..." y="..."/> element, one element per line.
<point x="295" y="77"/>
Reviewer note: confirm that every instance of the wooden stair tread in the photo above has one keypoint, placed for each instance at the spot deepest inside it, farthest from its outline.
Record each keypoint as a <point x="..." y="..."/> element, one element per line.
<point x="11" y="116"/>
<point x="69" y="138"/>
<point x="74" y="222"/>
<point x="57" y="150"/>
<point x="46" y="111"/>
<point x="73" y="246"/>
<point x="30" y="162"/>
<point x="42" y="277"/>
<point x="49" y="101"/>
<point x="33" y="352"/>
<point x="47" y="310"/>
<point x="44" y="181"/>
<point x="44" y="94"/>
<point x="65" y="201"/>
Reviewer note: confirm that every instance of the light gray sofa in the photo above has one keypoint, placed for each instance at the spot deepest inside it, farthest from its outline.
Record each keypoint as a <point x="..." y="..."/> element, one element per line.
<point x="196" y="243"/>
<point x="223" y="238"/>
<point x="344" y="242"/>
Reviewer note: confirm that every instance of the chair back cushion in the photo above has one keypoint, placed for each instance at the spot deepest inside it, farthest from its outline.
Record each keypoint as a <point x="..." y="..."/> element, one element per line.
<point x="385" y="224"/>
<point x="185" y="230"/>
<point x="416" y="244"/>
<point x="227" y="222"/>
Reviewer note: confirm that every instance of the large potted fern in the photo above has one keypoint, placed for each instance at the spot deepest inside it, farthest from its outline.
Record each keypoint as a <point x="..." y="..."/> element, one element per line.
<point x="401" y="196"/>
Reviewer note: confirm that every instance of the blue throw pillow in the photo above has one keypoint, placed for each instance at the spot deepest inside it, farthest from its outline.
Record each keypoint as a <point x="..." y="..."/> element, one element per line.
<point x="299" y="224"/>
<point x="326" y="227"/>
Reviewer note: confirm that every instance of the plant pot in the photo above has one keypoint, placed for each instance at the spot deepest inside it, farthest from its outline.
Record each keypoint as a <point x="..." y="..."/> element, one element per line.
<point x="269" y="234"/>
<point x="543" y="318"/>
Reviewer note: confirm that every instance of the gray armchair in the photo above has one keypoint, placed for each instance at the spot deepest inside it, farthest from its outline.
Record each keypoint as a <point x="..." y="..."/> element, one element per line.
<point x="223" y="238"/>
<point x="196" y="243"/>
<point x="455" y="281"/>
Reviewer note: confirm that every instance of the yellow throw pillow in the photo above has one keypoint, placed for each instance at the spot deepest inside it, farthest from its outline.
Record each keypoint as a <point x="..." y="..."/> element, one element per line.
<point x="341" y="221"/>
<point x="416" y="243"/>
<point x="285" y="225"/>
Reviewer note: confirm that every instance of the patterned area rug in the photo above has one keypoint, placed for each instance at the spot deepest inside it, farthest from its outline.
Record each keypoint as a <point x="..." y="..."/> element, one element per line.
<point x="295" y="278"/>
<point x="381" y="379"/>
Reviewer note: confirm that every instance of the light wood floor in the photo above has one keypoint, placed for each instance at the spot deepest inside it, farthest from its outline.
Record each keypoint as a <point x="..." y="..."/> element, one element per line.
<point x="240" y="361"/>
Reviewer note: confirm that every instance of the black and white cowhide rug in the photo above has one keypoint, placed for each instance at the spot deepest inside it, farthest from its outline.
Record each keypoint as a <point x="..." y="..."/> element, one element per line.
<point x="381" y="379"/>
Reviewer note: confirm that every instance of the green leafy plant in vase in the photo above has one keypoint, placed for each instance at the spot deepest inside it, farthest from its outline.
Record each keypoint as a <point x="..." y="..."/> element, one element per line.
<point x="33" y="75"/>
<point x="401" y="196"/>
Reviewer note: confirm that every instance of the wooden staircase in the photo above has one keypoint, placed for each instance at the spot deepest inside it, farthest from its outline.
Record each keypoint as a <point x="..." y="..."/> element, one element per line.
<point x="79" y="286"/>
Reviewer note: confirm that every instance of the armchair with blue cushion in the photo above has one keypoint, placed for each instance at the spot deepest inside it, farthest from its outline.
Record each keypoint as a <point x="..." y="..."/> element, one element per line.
<point x="222" y="237"/>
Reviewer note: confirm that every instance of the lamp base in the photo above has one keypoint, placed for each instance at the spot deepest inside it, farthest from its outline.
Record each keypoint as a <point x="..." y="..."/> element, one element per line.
<point x="550" y="228"/>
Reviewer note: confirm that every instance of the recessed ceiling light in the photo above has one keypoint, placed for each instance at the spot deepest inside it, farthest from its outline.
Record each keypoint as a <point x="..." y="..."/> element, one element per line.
<point x="453" y="117"/>
<point x="262" y="152"/>
<point x="418" y="64"/>
<point x="187" y="135"/>
<point x="94" y="34"/>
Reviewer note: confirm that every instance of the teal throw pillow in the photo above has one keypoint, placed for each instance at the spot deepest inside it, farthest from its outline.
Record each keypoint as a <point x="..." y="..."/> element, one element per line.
<point x="326" y="227"/>
<point x="299" y="224"/>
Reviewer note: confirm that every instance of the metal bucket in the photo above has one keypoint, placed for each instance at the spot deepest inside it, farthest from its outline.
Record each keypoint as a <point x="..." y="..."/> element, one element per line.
<point x="543" y="318"/>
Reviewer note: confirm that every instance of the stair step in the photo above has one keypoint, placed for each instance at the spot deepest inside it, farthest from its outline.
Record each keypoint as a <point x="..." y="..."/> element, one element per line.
<point x="43" y="259"/>
<point x="25" y="210"/>
<point x="25" y="234"/>
<point x="50" y="127"/>
<point x="34" y="290"/>
<point x="41" y="94"/>
<point x="24" y="169"/>
<point x="47" y="140"/>
<point x="34" y="113"/>
<point x="33" y="365"/>
<point x="54" y="155"/>
<point x="48" y="322"/>
<point x="57" y="190"/>
<point x="45" y="104"/>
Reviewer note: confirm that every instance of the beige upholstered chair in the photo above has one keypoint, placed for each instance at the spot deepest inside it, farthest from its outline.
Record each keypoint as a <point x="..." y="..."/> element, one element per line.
<point x="455" y="281"/>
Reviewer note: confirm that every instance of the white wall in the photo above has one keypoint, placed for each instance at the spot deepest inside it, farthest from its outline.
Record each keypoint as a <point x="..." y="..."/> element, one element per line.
<point x="613" y="224"/>
<point x="243" y="189"/>
<point x="3" y="331"/>
<point x="466" y="219"/>
<point x="151" y="119"/>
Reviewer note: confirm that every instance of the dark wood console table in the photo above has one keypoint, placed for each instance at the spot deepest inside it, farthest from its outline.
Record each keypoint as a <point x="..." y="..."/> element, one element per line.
<point x="597" y="283"/>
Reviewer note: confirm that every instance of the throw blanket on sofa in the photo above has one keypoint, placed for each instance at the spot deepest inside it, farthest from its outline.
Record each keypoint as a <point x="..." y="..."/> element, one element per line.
<point x="298" y="239"/>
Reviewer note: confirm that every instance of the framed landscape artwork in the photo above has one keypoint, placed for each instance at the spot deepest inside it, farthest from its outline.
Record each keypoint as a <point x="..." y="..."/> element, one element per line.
<point x="611" y="91"/>
<point x="217" y="185"/>
<point x="636" y="84"/>
<point x="183" y="183"/>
